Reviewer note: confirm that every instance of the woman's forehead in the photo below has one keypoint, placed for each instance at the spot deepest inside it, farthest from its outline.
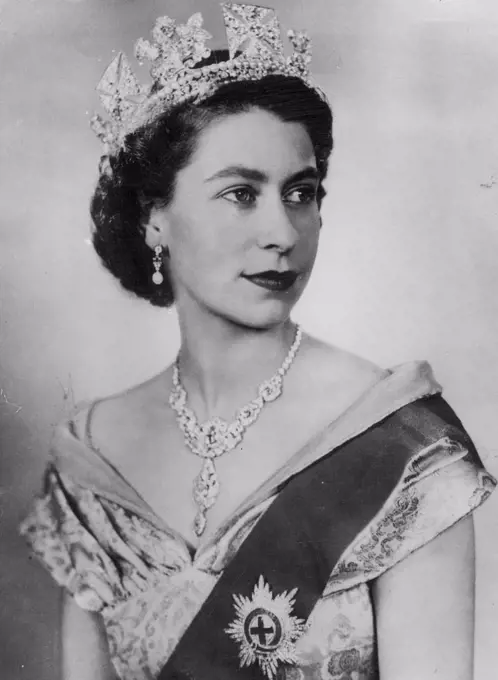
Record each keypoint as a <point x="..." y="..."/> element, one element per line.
<point x="254" y="139"/>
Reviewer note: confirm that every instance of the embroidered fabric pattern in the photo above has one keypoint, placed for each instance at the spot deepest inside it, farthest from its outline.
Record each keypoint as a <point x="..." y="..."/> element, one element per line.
<point x="415" y="513"/>
<point x="387" y="536"/>
<point x="148" y="587"/>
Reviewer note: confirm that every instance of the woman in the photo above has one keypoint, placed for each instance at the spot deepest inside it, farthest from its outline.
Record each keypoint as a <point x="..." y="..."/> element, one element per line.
<point x="329" y="532"/>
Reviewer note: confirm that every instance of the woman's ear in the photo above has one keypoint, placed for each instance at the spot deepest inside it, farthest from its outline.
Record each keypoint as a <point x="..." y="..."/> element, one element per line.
<point x="157" y="229"/>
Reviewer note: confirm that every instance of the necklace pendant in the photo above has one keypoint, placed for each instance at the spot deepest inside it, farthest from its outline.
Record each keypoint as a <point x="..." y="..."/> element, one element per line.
<point x="200" y="523"/>
<point x="206" y="490"/>
<point x="215" y="437"/>
<point x="212" y="437"/>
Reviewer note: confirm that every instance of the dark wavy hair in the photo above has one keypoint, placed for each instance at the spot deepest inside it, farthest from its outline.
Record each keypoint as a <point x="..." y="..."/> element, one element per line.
<point x="143" y="173"/>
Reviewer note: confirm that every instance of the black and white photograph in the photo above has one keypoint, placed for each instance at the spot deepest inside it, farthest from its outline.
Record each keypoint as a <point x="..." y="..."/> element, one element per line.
<point x="248" y="340"/>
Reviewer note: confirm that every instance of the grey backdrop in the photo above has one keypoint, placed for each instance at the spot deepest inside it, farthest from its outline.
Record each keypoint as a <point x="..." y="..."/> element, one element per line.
<point x="408" y="260"/>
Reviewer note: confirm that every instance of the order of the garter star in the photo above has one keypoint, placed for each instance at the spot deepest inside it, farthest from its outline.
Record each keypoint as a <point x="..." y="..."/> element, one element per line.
<point x="265" y="628"/>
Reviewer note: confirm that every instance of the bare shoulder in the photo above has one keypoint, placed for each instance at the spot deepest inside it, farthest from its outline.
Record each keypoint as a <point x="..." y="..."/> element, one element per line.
<point x="119" y="421"/>
<point x="326" y="381"/>
<point x="329" y="365"/>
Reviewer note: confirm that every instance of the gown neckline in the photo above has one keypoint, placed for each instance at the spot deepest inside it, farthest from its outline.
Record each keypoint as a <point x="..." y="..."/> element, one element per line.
<point x="89" y="468"/>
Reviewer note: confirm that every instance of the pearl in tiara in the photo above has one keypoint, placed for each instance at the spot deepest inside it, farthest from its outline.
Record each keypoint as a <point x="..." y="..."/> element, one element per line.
<point x="255" y="50"/>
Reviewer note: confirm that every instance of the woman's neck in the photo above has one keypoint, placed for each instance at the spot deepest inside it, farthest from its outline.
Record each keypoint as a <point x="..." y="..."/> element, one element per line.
<point x="222" y="364"/>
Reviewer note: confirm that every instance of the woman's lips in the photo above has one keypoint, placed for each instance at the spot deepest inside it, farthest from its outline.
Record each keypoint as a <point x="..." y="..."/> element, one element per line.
<point x="273" y="280"/>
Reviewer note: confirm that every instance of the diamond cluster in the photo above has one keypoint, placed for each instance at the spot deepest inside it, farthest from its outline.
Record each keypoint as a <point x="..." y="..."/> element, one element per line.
<point x="216" y="436"/>
<point x="255" y="47"/>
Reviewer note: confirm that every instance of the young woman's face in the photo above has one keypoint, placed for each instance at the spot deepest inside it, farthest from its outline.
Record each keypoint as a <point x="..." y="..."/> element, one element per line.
<point x="243" y="226"/>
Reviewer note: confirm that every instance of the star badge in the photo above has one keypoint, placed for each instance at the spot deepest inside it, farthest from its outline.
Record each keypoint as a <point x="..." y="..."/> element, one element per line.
<point x="265" y="629"/>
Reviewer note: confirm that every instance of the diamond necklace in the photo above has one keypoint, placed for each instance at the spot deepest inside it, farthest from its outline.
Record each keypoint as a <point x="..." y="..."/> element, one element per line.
<point x="216" y="436"/>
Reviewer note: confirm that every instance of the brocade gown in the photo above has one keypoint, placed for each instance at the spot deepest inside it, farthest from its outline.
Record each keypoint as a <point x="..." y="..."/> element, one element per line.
<point x="102" y="542"/>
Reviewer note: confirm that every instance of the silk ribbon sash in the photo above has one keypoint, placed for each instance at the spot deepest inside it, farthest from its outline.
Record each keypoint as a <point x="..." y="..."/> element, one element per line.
<point x="300" y="538"/>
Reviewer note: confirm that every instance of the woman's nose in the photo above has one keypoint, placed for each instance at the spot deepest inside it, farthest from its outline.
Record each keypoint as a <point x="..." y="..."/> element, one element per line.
<point x="277" y="228"/>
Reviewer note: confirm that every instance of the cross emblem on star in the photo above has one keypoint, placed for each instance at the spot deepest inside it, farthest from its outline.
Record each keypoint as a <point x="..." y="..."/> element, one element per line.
<point x="263" y="630"/>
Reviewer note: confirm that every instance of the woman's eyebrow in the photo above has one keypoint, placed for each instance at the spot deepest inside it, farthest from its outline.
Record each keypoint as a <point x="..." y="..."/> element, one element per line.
<point x="251" y="174"/>
<point x="240" y="171"/>
<point x="310" y="172"/>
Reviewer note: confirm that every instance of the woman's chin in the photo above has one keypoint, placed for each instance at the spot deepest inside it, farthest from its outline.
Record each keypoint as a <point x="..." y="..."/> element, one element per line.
<point x="262" y="316"/>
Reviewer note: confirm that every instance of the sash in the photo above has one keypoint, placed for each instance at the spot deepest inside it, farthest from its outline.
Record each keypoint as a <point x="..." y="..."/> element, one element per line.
<point x="297" y="543"/>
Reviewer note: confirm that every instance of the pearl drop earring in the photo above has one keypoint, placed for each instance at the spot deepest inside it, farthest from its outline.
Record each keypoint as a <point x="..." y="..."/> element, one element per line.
<point x="157" y="261"/>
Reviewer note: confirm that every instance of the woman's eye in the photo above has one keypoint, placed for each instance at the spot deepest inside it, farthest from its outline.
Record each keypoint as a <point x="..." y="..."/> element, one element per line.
<point x="300" y="195"/>
<point x="242" y="195"/>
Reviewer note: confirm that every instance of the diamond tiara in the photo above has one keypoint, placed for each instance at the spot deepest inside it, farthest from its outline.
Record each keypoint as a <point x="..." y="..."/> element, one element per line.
<point x="255" y="50"/>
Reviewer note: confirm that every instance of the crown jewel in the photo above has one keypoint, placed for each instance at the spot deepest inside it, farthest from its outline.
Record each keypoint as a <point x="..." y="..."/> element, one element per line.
<point x="255" y="50"/>
<point x="258" y="27"/>
<point x="175" y="47"/>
